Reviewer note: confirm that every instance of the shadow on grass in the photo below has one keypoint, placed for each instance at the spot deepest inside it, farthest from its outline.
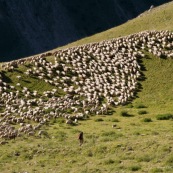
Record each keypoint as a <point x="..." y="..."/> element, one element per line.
<point x="142" y="77"/>
<point x="110" y="112"/>
<point x="18" y="71"/>
<point x="5" y="78"/>
<point x="27" y="81"/>
<point x="126" y="114"/>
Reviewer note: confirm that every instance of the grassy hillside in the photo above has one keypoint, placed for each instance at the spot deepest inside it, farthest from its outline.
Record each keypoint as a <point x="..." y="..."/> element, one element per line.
<point x="140" y="141"/>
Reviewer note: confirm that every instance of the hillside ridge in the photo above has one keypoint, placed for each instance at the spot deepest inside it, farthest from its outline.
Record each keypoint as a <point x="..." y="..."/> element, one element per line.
<point x="28" y="28"/>
<point x="159" y="18"/>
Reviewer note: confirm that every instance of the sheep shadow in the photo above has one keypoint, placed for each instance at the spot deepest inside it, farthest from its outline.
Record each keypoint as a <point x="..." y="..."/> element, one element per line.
<point x="5" y="78"/>
<point x="26" y="81"/>
<point x="18" y="71"/>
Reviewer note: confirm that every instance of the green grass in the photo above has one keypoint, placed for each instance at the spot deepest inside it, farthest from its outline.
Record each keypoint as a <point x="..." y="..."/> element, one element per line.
<point x="139" y="106"/>
<point x="142" y="112"/>
<point x="99" y="119"/>
<point x="112" y="149"/>
<point x="133" y="146"/>
<point x="32" y="83"/>
<point x="164" y="117"/>
<point x="135" y="168"/>
<point x="147" y="120"/>
<point x="125" y="114"/>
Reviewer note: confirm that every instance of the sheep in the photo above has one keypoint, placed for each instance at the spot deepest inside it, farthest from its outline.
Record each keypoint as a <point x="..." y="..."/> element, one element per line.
<point x="108" y="70"/>
<point x="31" y="133"/>
<point x="69" y="121"/>
<point x="43" y="133"/>
<point x="114" y="125"/>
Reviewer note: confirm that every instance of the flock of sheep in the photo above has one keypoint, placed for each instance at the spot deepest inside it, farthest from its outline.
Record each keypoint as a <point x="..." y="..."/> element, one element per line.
<point x="86" y="80"/>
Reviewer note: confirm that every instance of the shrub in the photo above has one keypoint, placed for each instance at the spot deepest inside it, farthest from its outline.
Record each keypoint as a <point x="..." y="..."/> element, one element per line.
<point x="135" y="168"/>
<point x="147" y="120"/>
<point x="136" y="133"/>
<point x="125" y="114"/>
<point x="98" y="119"/>
<point x="114" y="120"/>
<point x="142" y="112"/>
<point x="164" y="117"/>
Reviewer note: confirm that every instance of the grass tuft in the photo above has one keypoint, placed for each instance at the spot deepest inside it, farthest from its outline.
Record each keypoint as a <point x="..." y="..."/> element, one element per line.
<point x="142" y="112"/>
<point x="115" y="120"/>
<point x="135" y="168"/>
<point x="164" y="117"/>
<point x="125" y="114"/>
<point x="109" y="161"/>
<point x="147" y="120"/>
<point x="99" y="119"/>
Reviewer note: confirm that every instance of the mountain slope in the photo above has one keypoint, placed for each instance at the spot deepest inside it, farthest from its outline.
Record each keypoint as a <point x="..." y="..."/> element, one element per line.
<point x="33" y="27"/>
<point x="135" y="137"/>
<point x="159" y="18"/>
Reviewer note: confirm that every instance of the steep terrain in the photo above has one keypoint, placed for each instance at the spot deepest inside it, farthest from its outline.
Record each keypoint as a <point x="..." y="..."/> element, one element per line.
<point x="77" y="82"/>
<point x="159" y="18"/>
<point x="127" y="81"/>
<point x="30" y="27"/>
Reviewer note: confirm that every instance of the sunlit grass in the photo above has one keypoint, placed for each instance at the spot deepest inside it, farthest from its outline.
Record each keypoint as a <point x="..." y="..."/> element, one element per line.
<point x="137" y="143"/>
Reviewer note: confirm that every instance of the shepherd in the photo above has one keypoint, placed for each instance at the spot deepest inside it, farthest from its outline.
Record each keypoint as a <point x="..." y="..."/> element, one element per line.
<point x="81" y="139"/>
